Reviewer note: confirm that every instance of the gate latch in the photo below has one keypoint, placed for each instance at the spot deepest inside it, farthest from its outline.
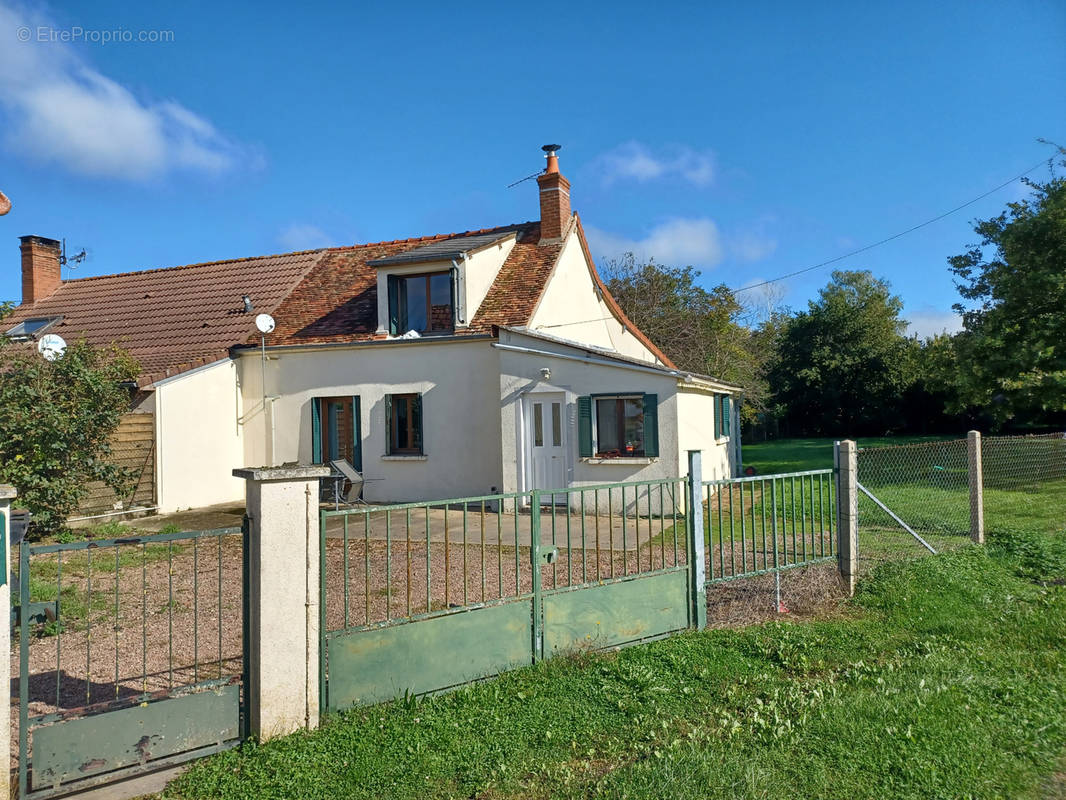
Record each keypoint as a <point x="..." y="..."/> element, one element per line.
<point x="550" y="556"/>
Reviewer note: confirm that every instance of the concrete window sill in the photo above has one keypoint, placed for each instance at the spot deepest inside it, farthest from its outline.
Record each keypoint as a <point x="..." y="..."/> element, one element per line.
<point x="619" y="461"/>
<point x="404" y="458"/>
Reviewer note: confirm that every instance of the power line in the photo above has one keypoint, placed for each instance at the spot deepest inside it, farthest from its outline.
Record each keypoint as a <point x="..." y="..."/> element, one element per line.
<point x="937" y="218"/>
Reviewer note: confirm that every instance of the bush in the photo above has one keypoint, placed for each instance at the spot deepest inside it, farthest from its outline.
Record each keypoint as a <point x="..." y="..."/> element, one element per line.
<point x="56" y="420"/>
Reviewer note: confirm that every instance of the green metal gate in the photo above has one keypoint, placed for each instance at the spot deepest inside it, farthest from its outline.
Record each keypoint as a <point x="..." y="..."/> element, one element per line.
<point x="131" y="654"/>
<point x="421" y="597"/>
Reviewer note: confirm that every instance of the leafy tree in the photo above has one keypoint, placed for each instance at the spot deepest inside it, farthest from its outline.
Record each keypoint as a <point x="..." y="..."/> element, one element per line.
<point x="842" y="365"/>
<point x="701" y="330"/>
<point x="56" y="420"/>
<point x="1013" y="347"/>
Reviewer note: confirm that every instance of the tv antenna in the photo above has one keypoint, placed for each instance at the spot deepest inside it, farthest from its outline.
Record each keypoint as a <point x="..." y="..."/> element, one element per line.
<point x="549" y="150"/>
<point x="73" y="260"/>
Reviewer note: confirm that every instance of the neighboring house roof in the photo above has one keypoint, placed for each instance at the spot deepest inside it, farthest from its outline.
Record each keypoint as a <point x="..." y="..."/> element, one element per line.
<point x="177" y="318"/>
<point x="171" y="319"/>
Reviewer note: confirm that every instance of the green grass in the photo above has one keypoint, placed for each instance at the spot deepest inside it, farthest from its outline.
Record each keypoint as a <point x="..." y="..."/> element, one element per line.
<point x="944" y="678"/>
<point x="794" y="455"/>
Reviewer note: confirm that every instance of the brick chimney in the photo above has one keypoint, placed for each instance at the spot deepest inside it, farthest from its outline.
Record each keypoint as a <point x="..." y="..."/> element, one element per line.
<point x="40" y="267"/>
<point x="554" y="198"/>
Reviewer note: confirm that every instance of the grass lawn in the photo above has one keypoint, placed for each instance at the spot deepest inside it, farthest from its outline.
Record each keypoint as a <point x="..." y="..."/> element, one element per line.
<point x="793" y="455"/>
<point x="945" y="677"/>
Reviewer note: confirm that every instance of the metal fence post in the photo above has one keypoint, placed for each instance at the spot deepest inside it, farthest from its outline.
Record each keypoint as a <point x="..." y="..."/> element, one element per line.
<point x="534" y="557"/>
<point x="974" y="467"/>
<point x="696" y="566"/>
<point x="845" y="459"/>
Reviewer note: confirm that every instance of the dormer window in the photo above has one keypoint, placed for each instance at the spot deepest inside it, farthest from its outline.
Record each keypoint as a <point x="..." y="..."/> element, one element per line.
<point x="424" y="303"/>
<point x="31" y="328"/>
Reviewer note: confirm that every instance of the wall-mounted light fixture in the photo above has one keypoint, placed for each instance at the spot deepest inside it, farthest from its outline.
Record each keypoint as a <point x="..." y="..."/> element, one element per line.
<point x="546" y="373"/>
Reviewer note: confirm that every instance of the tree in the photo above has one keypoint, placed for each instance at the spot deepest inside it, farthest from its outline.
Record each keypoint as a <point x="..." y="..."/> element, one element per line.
<point x="842" y="365"/>
<point x="1013" y="347"/>
<point x="701" y="330"/>
<point x="56" y="420"/>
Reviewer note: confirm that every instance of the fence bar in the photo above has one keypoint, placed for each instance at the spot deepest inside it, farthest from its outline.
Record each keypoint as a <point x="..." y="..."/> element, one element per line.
<point x="697" y="569"/>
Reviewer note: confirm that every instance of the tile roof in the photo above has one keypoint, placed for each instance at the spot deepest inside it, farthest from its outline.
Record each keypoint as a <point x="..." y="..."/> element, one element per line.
<point x="177" y="318"/>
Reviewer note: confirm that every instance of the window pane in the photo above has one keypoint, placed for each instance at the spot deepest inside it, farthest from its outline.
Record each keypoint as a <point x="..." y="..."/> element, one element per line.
<point x="416" y="422"/>
<point x="608" y="442"/>
<point x="440" y="298"/>
<point x="634" y="427"/>
<point x="538" y="425"/>
<point x="557" y="425"/>
<point x="399" y="405"/>
<point x="415" y="309"/>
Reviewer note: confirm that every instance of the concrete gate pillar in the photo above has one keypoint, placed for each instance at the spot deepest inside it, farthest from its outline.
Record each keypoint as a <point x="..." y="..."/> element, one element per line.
<point x="282" y="625"/>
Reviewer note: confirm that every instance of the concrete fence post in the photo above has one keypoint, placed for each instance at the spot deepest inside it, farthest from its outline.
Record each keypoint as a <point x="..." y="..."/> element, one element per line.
<point x="283" y="604"/>
<point x="977" y="491"/>
<point x="7" y="494"/>
<point x="845" y="459"/>
<point x="695" y="540"/>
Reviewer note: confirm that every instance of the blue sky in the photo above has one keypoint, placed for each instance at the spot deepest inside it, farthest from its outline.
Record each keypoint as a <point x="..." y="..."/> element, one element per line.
<point x="747" y="141"/>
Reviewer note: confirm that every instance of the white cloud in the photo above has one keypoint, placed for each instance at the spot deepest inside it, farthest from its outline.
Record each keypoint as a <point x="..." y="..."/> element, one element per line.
<point x="929" y="322"/>
<point x="59" y="109"/>
<point x="752" y="246"/>
<point x="635" y="161"/>
<point x="677" y="242"/>
<point x="303" y="236"/>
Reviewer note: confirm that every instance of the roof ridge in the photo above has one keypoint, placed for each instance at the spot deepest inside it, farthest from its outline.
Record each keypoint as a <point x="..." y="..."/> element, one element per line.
<point x="316" y="250"/>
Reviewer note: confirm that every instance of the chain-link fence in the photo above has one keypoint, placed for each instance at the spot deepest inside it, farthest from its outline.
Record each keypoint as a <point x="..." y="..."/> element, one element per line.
<point x="921" y="497"/>
<point x="1025" y="482"/>
<point x="914" y="499"/>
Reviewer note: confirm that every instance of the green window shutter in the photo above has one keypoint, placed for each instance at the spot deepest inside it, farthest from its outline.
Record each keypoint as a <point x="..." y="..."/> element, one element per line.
<point x="584" y="426"/>
<point x="651" y="425"/>
<point x="388" y="424"/>
<point x="316" y="430"/>
<point x="394" y="305"/>
<point x="717" y="416"/>
<point x="727" y="415"/>
<point x="416" y="409"/>
<point x="357" y="434"/>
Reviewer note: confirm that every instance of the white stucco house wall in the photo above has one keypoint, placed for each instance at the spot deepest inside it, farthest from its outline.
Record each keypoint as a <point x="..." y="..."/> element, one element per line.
<point x="491" y="361"/>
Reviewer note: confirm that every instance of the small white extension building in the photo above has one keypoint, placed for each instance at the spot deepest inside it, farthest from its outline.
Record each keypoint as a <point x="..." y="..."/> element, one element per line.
<point x="444" y="366"/>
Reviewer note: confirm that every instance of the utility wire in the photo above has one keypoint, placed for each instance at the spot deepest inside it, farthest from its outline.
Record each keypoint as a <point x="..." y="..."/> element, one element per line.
<point x="1039" y="164"/>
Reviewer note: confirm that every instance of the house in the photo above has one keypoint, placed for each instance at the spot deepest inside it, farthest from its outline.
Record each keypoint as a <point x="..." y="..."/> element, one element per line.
<point x="462" y="364"/>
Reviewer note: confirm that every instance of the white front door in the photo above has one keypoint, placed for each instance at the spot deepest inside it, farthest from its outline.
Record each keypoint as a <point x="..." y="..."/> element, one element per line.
<point x="546" y="441"/>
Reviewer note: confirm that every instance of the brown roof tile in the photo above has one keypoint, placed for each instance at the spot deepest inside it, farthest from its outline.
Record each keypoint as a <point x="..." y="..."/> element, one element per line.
<point x="177" y="318"/>
<point x="174" y="318"/>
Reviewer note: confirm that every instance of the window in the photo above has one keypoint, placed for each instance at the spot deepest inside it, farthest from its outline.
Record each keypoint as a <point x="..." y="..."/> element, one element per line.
<point x="723" y="413"/>
<point x="335" y="430"/>
<point x="30" y="328"/>
<point x="423" y="303"/>
<point x="618" y="426"/>
<point x="403" y="414"/>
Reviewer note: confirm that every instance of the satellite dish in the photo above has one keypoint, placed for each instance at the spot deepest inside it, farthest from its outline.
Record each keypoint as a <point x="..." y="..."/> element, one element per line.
<point x="265" y="323"/>
<point x="51" y="346"/>
<point x="5" y="204"/>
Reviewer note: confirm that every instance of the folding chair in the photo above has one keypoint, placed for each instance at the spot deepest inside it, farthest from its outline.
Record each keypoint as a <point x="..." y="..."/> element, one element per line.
<point x="354" y="479"/>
